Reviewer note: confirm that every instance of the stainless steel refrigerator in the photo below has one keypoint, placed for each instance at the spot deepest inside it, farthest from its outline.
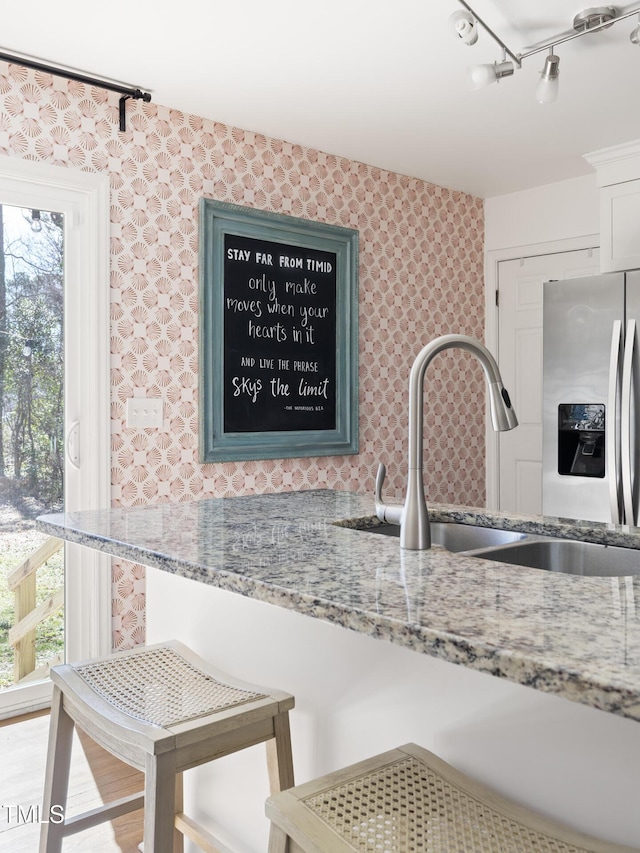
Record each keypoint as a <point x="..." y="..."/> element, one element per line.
<point x="591" y="396"/>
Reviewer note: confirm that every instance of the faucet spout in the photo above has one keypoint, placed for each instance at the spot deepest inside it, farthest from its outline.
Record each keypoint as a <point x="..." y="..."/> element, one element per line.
<point x="414" y="517"/>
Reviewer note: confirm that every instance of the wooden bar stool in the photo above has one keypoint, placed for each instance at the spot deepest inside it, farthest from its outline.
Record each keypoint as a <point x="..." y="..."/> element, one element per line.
<point x="410" y="800"/>
<point x="160" y="709"/>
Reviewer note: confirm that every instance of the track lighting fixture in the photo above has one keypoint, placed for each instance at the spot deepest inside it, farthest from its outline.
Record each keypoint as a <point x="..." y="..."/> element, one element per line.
<point x="547" y="90"/>
<point x="465" y="24"/>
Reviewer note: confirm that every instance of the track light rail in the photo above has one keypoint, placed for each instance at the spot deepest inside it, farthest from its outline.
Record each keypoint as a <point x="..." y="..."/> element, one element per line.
<point x="592" y="29"/>
<point x="496" y="38"/>
<point x="554" y="42"/>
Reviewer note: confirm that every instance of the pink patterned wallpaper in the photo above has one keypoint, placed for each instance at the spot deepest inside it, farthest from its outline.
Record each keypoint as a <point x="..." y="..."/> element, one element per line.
<point x="421" y="275"/>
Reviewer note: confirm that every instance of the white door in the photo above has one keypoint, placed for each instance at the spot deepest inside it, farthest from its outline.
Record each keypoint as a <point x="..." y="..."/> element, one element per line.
<point x="520" y="360"/>
<point x="83" y="201"/>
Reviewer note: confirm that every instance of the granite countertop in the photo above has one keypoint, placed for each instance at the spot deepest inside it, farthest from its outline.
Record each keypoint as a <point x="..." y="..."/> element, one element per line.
<point x="575" y="636"/>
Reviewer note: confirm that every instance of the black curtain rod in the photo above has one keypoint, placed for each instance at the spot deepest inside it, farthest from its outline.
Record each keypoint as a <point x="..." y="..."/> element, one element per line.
<point x="125" y="91"/>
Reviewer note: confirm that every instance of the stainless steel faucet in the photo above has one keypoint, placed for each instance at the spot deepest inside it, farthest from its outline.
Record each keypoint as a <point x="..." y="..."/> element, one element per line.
<point x="413" y="516"/>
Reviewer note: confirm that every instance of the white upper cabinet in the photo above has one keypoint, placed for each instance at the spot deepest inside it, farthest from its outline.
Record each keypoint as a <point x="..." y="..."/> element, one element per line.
<point x="618" y="175"/>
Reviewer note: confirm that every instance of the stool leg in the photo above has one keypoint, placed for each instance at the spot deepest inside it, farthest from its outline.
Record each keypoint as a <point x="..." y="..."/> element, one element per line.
<point x="178" y="837"/>
<point x="56" y="781"/>
<point x="159" y="802"/>
<point x="278" y="840"/>
<point x="279" y="758"/>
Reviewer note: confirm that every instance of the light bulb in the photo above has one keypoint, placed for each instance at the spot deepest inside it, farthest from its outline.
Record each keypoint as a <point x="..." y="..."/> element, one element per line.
<point x="484" y="75"/>
<point x="36" y="222"/>
<point x="464" y="27"/>
<point x="547" y="89"/>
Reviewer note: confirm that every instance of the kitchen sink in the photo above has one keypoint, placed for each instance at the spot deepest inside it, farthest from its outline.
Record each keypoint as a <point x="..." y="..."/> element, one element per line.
<point x="456" y="537"/>
<point x="568" y="557"/>
<point x="522" y="549"/>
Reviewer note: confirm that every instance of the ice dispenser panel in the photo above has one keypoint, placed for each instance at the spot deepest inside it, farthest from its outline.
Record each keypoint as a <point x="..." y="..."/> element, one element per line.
<point x="581" y="439"/>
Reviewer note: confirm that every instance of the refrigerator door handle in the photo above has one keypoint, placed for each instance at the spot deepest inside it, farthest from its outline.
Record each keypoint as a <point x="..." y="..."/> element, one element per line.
<point x="612" y="444"/>
<point x="625" y="424"/>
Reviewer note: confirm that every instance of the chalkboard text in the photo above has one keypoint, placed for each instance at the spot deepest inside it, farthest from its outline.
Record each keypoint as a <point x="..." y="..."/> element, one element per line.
<point x="279" y="305"/>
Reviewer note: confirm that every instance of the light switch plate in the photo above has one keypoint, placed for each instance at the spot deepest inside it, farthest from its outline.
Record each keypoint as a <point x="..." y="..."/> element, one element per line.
<point x="144" y="412"/>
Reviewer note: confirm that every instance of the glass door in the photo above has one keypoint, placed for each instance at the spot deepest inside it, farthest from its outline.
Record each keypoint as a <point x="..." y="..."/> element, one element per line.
<point x="31" y="442"/>
<point x="54" y="421"/>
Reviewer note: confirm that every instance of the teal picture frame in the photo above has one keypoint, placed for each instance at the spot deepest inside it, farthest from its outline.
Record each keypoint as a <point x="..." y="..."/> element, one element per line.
<point x="253" y="364"/>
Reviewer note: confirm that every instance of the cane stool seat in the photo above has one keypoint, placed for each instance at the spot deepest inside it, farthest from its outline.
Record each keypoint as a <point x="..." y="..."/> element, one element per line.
<point x="162" y="710"/>
<point x="409" y="801"/>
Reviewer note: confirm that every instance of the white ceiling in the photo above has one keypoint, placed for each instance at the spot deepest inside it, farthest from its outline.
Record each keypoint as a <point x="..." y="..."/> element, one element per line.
<point x="377" y="81"/>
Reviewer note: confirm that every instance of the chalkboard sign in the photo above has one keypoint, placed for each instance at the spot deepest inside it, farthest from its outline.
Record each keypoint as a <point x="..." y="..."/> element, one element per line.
<point x="278" y="342"/>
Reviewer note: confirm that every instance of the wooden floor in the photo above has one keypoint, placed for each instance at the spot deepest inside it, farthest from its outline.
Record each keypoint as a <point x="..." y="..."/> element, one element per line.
<point x="96" y="777"/>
